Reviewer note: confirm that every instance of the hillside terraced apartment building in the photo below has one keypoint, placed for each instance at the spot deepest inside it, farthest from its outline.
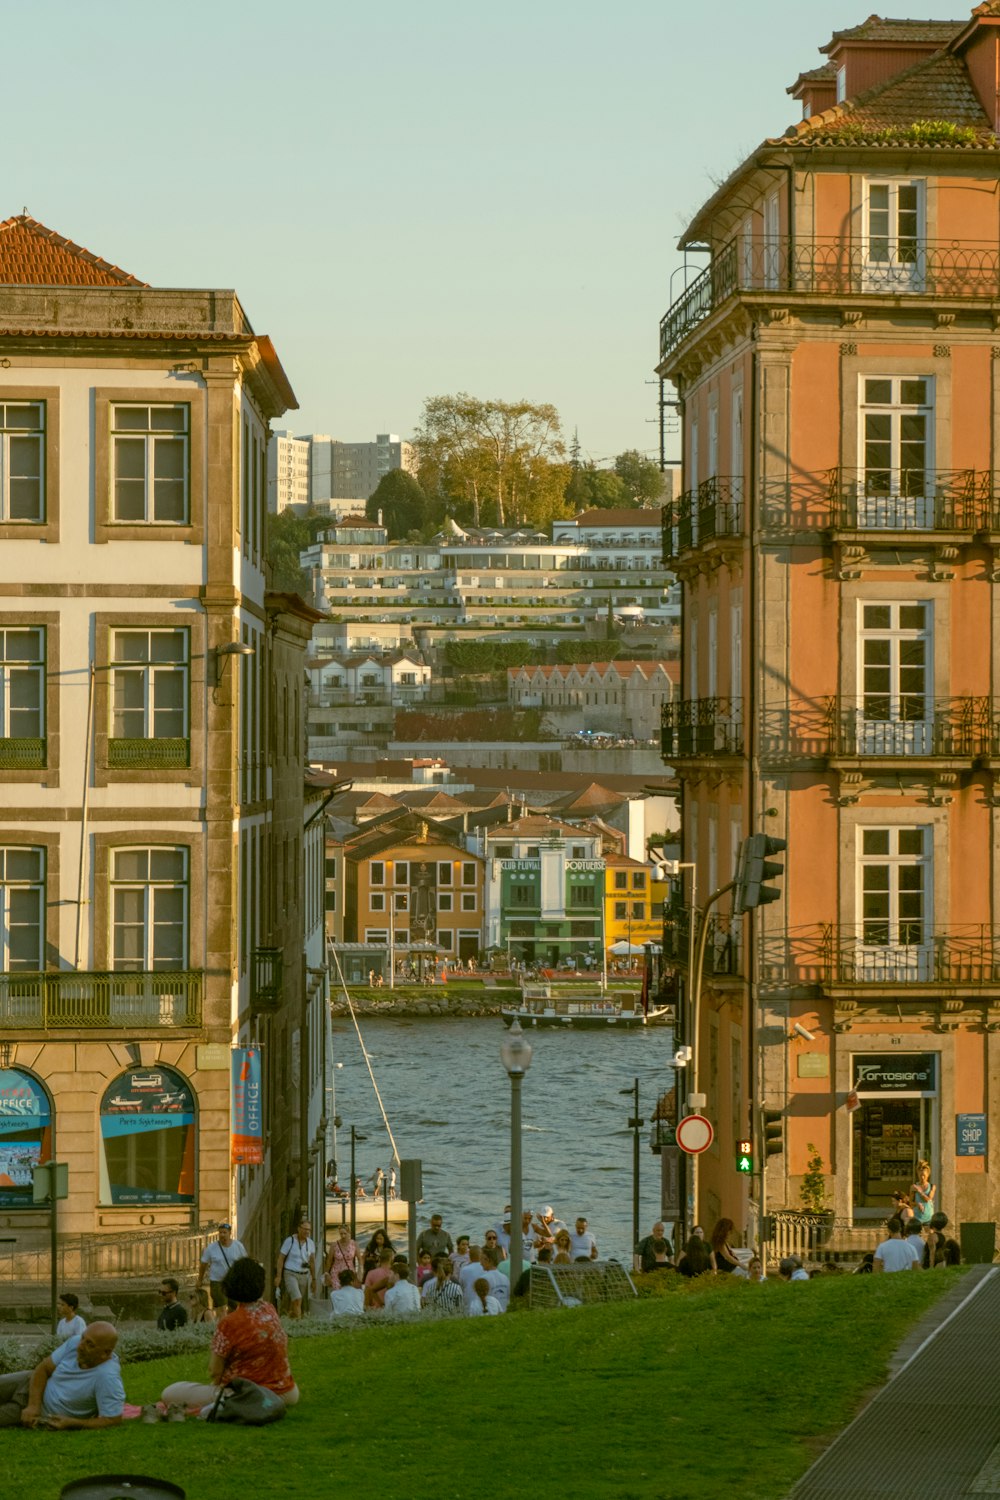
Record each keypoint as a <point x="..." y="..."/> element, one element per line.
<point x="152" y="837"/>
<point x="838" y="540"/>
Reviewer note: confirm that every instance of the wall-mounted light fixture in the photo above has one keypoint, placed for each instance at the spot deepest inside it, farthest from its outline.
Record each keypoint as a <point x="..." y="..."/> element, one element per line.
<point x="224" y="654"/>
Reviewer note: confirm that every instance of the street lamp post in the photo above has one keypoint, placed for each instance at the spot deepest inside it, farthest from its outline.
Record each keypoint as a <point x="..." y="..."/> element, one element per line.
<point x="515" y="1054"/>
<point x="635" y="1124"/>
<point x="355" y="1137"/>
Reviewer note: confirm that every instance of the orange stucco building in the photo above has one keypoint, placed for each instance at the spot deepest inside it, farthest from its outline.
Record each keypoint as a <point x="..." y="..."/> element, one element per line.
<point x="837" y="365"/>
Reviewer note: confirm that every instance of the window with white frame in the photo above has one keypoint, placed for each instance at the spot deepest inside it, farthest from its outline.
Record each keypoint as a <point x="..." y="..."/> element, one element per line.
<point x="376" y="935"/>
<point x="149" y="684"/>
<point x="469" y="902"/>
<point x="841" y="83"/>
<point x="444" y="901"/>
<point x="897" y="430"/>
<point x="22" y="909"/>
<point x="445" y="939"/>
<point x="149" y="447"/>
<point x="377" y="869"/>
<point x="468" y="873"/>
<point x="149" y="908"/>
<point x="444" y="872"/>
<point x="22" y="461"/>
<point x="772" y="244"/>
<point x="894" y="642"/>
<point x="894" y="886"/>
<point x="376" y="901"/>
<point x="894" y="234"/>
<point x="401" y="901"/>
<point x="22" y="684"/>
<point x="402" y="872"/>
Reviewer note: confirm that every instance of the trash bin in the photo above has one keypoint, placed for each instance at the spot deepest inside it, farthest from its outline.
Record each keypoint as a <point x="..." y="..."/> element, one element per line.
<point x="978" y="1243"/>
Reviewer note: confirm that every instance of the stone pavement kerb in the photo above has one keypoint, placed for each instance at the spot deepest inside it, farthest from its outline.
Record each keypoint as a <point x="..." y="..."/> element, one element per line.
<point x="932" y="1433"/>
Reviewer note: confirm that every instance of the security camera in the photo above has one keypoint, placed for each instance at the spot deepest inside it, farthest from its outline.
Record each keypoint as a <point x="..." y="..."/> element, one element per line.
<point x="800" y="1030"/>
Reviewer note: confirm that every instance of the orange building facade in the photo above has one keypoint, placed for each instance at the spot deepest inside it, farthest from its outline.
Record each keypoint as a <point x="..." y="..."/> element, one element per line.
<point x="838" y="539"/>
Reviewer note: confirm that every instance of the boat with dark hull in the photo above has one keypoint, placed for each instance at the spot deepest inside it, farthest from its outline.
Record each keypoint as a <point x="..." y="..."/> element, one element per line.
<point x="611" y="1011"/>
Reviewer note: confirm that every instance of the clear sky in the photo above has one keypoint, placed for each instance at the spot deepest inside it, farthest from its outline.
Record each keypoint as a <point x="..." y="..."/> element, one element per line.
<point x="410" y="199"/>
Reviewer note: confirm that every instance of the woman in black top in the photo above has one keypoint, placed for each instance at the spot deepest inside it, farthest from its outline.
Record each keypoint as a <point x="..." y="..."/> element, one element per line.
<point x="379" y="1241"/>
<point x="697" y="1258"/>
<point x="725" y="1260"/>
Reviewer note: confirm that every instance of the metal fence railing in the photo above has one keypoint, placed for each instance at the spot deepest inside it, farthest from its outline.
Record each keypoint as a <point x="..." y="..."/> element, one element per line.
<point x="91" y="999"/>
<point x="83" y="1259"/>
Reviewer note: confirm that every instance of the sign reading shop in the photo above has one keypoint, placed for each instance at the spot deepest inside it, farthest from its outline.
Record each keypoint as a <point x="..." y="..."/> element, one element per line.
<point x="896" y="1073"/>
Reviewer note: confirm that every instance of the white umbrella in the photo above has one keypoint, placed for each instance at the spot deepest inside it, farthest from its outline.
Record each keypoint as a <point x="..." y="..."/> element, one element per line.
<point x="621" y="948"/>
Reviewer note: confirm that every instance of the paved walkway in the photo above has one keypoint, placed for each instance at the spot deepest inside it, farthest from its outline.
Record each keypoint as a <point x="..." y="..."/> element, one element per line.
<point x="933" y="1433"/>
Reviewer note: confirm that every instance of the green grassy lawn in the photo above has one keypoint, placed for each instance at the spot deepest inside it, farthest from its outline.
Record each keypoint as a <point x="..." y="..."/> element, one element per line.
<point x="726" y="1389"/>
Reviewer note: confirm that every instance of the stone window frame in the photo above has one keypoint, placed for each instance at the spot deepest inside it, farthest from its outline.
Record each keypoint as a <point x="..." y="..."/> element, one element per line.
<point x="161" y="837"/>
<point x="106" y="528"/>
<point x="50" y="621"/>
<point x="193" y="774"/>
<point x="47" y="530"/>
<point x="36" y="838"/>
<point x="873" y="815"/>
<point x="855" y="367"/>
<point x="855" y="593"/>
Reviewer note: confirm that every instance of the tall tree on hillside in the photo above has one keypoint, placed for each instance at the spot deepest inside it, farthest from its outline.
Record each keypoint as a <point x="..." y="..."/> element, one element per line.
<point x="641" y="477"/>
<point x="286" y="535"/>
<point x="402" y="502"/>
<point x="505" y="456"/>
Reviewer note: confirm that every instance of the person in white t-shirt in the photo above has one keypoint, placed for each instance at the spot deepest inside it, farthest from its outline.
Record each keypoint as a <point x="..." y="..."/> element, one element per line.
<point x="897" y="1254"/>
<point x="216" y="1258"/>
<point x="402" y="1296"/>
<point x="70" y="1322"/>
<point x="483" y="1304"/>
<point x="582" y="1245"/>
<point x="347" y="1300"/>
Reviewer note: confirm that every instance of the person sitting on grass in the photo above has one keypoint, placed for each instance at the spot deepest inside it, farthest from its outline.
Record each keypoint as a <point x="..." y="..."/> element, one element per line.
<point x="70" y="1321"/>
<point x="443" y="1294"/>
<point x="78" y="1385"/>
<point x="347" y="1300"/>
<point x="378" y="1282"/>
<point x="250" y="1342"/>
<point x="483" y="1303"/>
<point x="697" y="1258"/>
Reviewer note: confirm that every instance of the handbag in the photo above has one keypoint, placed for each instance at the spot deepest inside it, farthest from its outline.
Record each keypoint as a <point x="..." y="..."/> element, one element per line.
<point x="246" y="1404"/>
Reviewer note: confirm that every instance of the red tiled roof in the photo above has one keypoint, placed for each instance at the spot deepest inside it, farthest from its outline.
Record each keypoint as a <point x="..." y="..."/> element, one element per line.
<point x="631" y="516"/>
<point x="936" y="88"/>
<point x="898" y="31"/>
<point x="31" y="255"/>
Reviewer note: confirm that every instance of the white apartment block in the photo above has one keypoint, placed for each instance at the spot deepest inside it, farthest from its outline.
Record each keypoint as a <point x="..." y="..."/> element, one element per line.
<point x="622" y="697"/>
<point x="318" y="470"/>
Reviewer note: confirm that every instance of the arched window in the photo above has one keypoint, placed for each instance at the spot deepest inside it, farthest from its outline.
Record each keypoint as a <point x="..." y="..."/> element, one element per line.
<point x="148" y="1138"/>
<point x="25" y="1134"/>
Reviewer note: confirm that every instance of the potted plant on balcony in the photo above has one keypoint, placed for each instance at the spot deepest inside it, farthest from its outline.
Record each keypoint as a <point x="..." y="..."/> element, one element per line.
<point x="812" y="1193"/>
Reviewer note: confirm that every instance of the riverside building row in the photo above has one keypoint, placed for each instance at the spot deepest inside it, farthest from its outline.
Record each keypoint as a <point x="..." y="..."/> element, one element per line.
<point x="160" y="861"/>
<point x="838" y="544"/>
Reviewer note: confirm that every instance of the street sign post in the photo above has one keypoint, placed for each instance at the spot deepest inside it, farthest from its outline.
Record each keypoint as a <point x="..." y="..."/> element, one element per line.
<point x="49" y="1183"/>
<point x="695" y="1134"/>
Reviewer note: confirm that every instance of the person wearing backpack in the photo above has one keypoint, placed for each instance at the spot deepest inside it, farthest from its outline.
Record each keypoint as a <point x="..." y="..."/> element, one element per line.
<point x="249" y="1344"/>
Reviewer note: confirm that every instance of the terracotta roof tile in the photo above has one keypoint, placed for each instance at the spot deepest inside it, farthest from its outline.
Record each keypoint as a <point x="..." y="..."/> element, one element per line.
<point x="897" y="30"/>
<point x="631" y="516"/>
<point x="936" y="88"/>
<point x="31" y="255"/>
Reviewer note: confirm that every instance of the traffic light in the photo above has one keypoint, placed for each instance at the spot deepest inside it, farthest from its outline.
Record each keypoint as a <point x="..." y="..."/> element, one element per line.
<point x="753" y="868"/>
<point x="772" y="1132"/>
<point x="744" y="1156"/>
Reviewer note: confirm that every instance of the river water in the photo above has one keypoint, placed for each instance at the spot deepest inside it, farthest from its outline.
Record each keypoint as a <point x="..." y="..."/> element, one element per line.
<point x="447" y="1097"/>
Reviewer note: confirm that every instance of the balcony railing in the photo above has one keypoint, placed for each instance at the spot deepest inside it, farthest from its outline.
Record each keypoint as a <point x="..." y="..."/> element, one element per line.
<point x="870" y="501"/>
<point x="701" y="726"/>
<point x="834" y="268"/>
<point x="910" y="726"/>
<point x="148" y="754"/>
<point x="723" y="945"/>
<point x="712" y="512"/>
<point x="878" y="954"/>
<point x="73" y="1000"/>
<point x="22" y="755"/>
<point x="266" y="976"/>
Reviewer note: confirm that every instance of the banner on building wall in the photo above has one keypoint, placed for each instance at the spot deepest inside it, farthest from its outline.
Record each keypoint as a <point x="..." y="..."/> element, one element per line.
<point x="423" y="901"/>
<point x="246" y="1113"/>
<point x="148" y="1135"/>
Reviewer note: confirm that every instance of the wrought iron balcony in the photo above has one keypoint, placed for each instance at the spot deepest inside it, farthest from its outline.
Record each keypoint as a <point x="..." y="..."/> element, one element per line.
<point x="711" y="513"/>
<point x="874" y="954"/>
<point x="910" y="726"/>
<point x="870" y="501"/>
<point x="22" y="755"/>
<point x="834" y="267"/>
<point x="701" y="726"/>
<point x="266" y="974"/>
<point x="148" y="754"/>
<point x="723" y="945"/>
<point x="87" y="1001"/>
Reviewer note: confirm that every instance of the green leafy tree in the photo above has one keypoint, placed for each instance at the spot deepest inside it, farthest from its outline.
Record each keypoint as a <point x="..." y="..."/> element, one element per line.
<point x="286" y="535"/>
<point x="501" y="461"/>
<point x="599" y="489"/>
<point x="401" y="500"/>
<point x="640" y="476"/>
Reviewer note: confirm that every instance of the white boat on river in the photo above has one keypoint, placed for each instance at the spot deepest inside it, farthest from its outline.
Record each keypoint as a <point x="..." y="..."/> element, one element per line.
<point x="614" y="1011"/>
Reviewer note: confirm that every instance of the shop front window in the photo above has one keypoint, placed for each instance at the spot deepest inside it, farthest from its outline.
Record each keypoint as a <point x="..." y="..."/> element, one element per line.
<point x="148" y="1130"/>
<point x="893" y="1128"/>
<point x="25" y="1135"/>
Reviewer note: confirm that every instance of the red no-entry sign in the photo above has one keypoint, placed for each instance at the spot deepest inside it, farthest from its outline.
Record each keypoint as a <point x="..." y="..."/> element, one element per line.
<point x="694" y="1134"/>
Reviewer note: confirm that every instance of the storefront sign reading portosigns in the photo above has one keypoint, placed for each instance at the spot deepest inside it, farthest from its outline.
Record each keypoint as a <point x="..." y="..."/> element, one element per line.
<point x="896" y="1073"/>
